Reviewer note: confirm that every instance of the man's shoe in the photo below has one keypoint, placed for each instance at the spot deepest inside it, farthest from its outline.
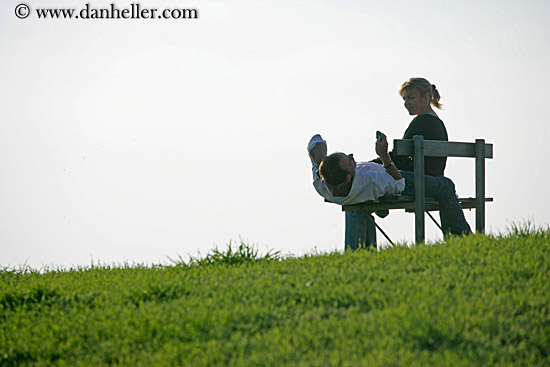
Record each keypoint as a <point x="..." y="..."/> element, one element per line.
<point x="383" y="213"/>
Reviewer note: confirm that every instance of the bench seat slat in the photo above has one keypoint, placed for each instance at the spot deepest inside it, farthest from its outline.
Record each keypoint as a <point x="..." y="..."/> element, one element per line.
<point x="407" y="203"/>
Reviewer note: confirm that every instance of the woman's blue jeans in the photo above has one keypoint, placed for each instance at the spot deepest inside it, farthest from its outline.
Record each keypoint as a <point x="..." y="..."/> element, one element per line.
<point x="361" y="231"/>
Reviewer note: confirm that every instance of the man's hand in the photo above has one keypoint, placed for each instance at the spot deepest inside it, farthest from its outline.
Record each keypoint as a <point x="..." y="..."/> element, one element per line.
<point x="381" y="149"/>
<point x="319" y="152"/>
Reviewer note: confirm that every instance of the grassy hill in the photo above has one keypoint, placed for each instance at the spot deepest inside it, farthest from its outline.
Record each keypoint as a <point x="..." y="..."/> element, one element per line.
<point x="474" y="301"/>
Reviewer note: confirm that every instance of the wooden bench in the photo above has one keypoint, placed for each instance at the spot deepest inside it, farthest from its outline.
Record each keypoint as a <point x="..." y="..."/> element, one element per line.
<point x="419" y="148"/>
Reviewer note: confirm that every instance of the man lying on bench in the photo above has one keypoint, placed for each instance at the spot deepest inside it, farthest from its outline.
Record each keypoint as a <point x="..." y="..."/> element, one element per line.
<point x="339" y="179"/>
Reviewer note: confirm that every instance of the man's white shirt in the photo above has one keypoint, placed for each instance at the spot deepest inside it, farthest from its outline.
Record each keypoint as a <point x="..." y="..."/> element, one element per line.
<point x="371" y="181"/>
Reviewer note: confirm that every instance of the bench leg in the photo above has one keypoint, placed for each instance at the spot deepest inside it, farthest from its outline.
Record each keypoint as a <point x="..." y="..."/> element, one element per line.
<point x="360" y="231"/>
<point x="480" y="185"/>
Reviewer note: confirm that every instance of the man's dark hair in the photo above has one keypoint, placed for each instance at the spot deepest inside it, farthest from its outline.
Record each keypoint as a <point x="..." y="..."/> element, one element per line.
<point x="331" y="171"/>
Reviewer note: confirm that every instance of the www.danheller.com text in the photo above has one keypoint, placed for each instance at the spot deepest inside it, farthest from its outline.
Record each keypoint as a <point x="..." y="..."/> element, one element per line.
<point x="134" y="11"/>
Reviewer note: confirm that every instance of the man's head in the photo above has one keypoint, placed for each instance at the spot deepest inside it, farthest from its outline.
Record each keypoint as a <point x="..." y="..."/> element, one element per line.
<point x="337" y="169"/>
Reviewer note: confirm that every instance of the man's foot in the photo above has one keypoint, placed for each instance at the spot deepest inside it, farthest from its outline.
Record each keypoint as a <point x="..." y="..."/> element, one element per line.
<point x="383" y="213"/>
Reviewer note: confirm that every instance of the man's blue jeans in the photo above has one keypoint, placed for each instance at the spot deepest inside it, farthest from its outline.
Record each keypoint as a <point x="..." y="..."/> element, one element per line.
<point x="362" y="231"/>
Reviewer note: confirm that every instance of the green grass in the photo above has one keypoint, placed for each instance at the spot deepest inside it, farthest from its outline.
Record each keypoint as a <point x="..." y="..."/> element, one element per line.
<point x="474" y="301"/>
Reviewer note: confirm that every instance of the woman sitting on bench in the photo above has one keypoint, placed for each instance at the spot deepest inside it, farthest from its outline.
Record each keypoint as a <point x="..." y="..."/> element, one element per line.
<point x="419" y="95"/>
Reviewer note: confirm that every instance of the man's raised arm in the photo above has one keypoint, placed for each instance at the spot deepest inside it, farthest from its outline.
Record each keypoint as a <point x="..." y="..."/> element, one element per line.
<point x="317" y="149"/>
<point x="381" y="148"/>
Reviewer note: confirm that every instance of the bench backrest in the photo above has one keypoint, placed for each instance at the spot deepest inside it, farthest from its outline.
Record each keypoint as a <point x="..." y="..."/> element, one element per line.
<point x="437" y="148"/>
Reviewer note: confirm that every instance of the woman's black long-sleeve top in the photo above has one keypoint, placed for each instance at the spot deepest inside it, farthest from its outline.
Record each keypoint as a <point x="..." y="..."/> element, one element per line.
<point x="432" y="128"/>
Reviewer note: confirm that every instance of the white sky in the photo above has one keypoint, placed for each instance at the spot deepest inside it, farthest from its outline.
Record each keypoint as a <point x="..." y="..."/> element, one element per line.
<point x="134" y="140"/>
